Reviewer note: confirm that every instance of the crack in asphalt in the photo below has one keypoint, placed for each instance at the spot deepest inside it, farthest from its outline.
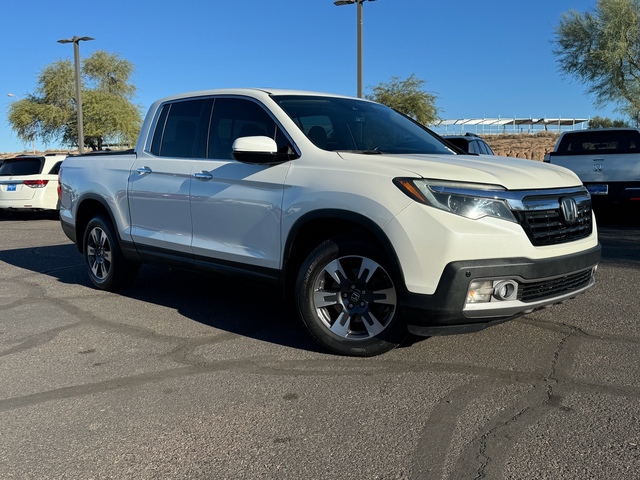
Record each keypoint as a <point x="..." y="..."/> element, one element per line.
<point x="489" y="449"/>
<point x="549" y="381"/>
<point x="483" y="457"/>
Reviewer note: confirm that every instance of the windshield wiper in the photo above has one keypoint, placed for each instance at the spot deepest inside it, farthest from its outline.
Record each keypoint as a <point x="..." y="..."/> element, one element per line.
<point x="363" y="152"/>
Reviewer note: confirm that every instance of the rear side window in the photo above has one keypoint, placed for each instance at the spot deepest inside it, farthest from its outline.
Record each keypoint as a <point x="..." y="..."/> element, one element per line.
<point x="484" y="148"/>
<point x="21" y="166"/>
<point x="55" y="169"/>
<point x="606" y="141"/>
<point x="181" y="129"/>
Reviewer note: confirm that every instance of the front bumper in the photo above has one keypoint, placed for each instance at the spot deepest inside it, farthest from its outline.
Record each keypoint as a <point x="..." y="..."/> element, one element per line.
<point x="543" y="282"/>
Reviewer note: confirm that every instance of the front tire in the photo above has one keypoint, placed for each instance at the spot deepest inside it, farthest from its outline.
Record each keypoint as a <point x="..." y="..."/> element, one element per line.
<point x="106" y="265"/>
<point x="347" y="298"/>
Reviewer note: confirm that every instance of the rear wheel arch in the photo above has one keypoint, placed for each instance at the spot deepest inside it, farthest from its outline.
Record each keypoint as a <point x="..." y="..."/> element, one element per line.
<point x="90" y="207"/>
<point x="107" y="267"/>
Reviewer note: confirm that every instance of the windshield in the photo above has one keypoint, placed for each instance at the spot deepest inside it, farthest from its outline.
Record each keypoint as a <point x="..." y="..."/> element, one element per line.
<point x="598" y="142"/>
<point x="344" y="124"/>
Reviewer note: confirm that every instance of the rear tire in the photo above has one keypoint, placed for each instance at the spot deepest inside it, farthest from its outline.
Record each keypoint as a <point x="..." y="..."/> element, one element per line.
<point x="347" y="298"/>
<point x="106" y="265"/>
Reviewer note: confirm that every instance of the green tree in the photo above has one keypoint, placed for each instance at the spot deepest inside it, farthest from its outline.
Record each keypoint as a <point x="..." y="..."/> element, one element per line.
<point x="601" y="48"/>
<point x="604" y="122"/>
<point x="408" y="97"/>
<point x="108" y="113"/>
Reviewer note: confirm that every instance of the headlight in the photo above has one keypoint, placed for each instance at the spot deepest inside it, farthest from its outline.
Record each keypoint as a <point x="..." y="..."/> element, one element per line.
<point x="468" y="200"/>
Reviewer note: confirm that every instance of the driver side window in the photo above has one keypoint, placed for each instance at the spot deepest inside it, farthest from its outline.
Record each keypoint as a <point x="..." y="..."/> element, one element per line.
<point x="234" y="118"/>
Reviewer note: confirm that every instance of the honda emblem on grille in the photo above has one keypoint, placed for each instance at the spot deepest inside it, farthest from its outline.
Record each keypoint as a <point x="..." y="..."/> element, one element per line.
<point x="569" y="209"/>
<point x="598" y="167"/>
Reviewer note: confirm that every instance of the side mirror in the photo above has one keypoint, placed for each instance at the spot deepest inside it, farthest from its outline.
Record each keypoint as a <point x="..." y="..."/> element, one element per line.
<point x="261" y="150"/>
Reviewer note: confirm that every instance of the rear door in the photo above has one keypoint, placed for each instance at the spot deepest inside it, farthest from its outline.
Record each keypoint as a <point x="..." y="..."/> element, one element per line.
<point x="159" y="184"/>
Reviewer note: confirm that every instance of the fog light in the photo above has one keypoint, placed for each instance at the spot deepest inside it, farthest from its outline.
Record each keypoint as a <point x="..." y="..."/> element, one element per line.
<point x="505" y="290"/>
<point x="480" y="291"/>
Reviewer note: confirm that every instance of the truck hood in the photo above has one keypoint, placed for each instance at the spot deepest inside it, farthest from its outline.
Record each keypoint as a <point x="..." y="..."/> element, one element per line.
<point x="510" y="173"/>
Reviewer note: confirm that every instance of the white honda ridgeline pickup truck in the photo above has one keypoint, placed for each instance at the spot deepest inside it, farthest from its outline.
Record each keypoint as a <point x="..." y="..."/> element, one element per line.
<point x="371" y="223"/>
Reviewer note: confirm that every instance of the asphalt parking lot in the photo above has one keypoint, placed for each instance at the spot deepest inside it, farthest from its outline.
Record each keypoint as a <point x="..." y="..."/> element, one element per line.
<point x="188" y="377"/>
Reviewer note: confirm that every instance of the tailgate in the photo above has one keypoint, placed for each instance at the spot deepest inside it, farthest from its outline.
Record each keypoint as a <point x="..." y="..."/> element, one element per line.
<point x="601" y="168"/>
<point x="15" y="190"/>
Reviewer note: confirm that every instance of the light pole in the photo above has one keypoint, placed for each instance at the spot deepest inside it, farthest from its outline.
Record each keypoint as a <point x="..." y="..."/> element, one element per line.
<point x="359" y="34"/>
<point x="33" y="135"/>
<point x="76" y="60"/>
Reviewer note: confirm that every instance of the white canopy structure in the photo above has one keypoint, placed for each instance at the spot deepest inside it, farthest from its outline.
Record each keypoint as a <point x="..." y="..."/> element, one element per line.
<point x="507" y="125"/>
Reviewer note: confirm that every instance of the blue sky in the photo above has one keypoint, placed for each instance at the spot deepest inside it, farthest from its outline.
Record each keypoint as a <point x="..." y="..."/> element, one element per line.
<point x="480" y="58"/>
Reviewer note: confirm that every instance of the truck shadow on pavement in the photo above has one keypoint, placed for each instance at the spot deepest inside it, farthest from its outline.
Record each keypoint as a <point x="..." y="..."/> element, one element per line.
<point x="618" y="231"/>
<point x="233" y="306"/>
<point x="229" y="305"/>
<point x="29" y="215"/>
<point x="249" y="310"/>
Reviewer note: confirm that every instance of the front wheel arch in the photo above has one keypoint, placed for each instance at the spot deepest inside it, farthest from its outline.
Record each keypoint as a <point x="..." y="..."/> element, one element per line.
<point x="315" y="227"/>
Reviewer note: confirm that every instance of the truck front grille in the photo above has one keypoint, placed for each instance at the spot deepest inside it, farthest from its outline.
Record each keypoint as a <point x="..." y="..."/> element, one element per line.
<point x="529" y="292"/>
<point x="544" y="222"/>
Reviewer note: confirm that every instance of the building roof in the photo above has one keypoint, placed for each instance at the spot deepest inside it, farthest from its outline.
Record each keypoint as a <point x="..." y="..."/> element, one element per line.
<point x="498" y="122"/>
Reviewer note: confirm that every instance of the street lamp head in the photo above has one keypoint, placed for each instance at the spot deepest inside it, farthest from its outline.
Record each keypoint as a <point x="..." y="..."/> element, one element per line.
<point x="350" y="2"/>
<point x="75" y="39"/>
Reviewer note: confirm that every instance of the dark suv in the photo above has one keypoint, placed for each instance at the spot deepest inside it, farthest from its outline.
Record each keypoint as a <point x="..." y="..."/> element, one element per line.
<point x="470" y="143"/>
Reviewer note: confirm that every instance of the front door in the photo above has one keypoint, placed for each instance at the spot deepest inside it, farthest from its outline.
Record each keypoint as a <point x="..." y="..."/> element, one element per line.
<point x="236" y="207"/>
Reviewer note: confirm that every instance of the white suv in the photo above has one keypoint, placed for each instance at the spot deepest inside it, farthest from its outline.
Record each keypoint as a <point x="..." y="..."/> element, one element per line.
<point x="30" y="182"/>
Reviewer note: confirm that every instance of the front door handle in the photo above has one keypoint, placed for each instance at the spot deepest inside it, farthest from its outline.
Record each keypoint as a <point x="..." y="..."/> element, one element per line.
<point x="143" y="171"/>
<point x="203" y="176"/>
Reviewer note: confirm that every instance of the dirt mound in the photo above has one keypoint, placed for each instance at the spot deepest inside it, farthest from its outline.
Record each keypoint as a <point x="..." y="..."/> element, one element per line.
<point x="533" y="147"/>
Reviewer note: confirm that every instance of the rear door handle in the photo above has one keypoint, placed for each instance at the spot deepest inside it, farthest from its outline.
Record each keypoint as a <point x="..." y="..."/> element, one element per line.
<point x="143" y="171"/>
